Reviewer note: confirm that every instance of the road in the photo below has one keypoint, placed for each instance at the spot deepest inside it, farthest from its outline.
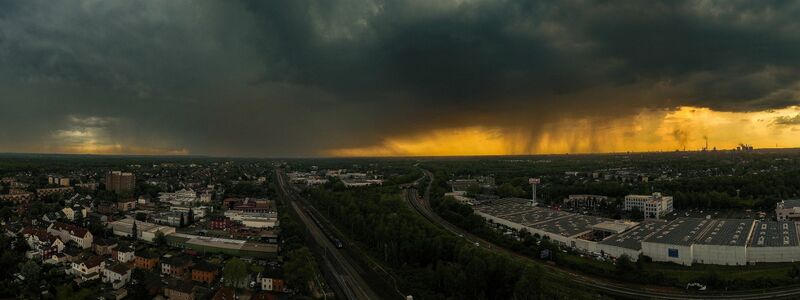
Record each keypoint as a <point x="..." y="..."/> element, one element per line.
<point x="348" y="279"/>
<point x="422" y="206"/>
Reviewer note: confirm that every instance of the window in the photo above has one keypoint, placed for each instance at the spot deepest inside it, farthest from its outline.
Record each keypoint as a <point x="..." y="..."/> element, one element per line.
<point x="672" y="252"/>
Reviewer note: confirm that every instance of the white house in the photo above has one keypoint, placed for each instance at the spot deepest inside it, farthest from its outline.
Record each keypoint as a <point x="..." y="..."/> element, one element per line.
<point x="69" y="232"/>
<point x="124" y="254"/>
<point x="118" y="275"/>
<point x="90" y="268"/>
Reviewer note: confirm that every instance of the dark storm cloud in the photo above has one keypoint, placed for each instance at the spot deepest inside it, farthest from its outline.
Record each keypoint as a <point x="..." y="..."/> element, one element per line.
<point x="301" y="77"/>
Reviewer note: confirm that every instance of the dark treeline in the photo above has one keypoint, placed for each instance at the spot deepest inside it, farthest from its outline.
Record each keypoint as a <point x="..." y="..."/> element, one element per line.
<point x="695" y="179"/>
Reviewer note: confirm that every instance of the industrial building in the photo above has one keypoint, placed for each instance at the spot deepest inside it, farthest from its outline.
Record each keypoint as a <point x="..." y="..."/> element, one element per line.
<point x="145" y="231"/>
<point x="788" y="210"/>
<point x="774" y="242"/>
<point x="584" y="201"/>
<point x="203" y="244"/>
<point x="653" y="206"/>
<point x="684" y="241"/>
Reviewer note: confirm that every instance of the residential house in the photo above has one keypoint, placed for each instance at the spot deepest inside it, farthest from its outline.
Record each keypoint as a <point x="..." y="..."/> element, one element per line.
<point x="204" y="272"/>
<point x="145" y="260"/>
<point x="41" y="242"/>
<point x="272" y="280"/>
<point x="70" y="212"/>
<point x="180" y="291"/>
<point x="176" y="265"/>
<point x="123" y="254"/>
<point x="118" y="275"/>
<point x="89" y="269"/>
<point x="126" y="205"/>
<point x="104" y="246"/>
<point x="69" y="232"/>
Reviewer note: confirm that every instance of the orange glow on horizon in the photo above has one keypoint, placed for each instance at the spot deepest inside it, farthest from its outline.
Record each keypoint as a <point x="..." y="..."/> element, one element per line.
<point x="649" y="130"/>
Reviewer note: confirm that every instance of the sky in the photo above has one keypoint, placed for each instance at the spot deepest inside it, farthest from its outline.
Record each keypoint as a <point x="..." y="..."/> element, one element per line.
<point x="396" y="78"/>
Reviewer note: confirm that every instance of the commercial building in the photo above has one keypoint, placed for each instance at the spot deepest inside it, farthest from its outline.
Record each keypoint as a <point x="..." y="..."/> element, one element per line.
<point x="653" y="206"/>
<point x="145" y="231"/>
<point x="205" y="244"/>
<point x="684" y="241"/>
<point x="788" y="210"/>
<point x="119" y="181"/>
<point x="774" y="242"/>
<point x="181" y="197"/>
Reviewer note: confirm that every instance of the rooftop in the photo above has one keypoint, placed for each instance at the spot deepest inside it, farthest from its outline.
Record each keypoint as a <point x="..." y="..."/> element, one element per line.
<point x="681" y="231"/>
<point x="774" y="234"/>
<point x="728" y="232"/>
<point x="632" y="239"/>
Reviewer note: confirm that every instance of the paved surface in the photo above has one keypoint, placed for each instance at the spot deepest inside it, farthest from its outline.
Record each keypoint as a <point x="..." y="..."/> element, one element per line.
<point x="422" y="205"/>
<point x="348" y="279"/>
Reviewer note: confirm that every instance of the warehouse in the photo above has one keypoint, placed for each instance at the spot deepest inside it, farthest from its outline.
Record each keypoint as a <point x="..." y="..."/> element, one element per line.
<point x="683" y="241"/>
<point x="204" y="244"/>
<point x="773" y="242"/>
<point x="723" y="242"/>
<point x="674" y="242"/>
<point x="145" y="231"/>
<point x="630" y="242"/>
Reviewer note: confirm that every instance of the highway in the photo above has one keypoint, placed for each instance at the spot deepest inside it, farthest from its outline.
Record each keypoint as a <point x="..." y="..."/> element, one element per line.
<point x="348" y="279"/>
<point x="422" y="206"/>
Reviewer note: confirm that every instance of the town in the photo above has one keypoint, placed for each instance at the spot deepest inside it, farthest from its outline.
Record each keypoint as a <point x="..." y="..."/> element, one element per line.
<point x="180" y="230"/>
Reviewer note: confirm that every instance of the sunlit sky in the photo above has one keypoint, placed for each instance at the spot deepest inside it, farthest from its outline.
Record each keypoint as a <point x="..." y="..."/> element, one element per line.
<point x="397" y="78"/>
<point x="686" y="128"/>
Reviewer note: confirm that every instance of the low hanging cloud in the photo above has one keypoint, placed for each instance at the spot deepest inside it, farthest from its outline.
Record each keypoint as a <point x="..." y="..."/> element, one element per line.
<point x="295" y="78"/>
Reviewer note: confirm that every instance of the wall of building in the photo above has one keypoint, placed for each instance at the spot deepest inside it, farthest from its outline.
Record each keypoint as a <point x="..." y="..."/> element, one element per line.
<point x="661" y="252"/>
<point x="773" y="254"/>
<point x="719" y="254"/>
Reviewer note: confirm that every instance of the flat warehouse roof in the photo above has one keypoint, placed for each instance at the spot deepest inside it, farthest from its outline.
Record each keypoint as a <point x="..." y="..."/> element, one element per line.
<point x="536" y="216"/>
<point x="571" y="225"/>
<point x="508" y="206"/>
<point x="681" y="231"/>
<point x="774" y="234"/>
<point x="632" y="239"/>
<point x="727" y="232"/>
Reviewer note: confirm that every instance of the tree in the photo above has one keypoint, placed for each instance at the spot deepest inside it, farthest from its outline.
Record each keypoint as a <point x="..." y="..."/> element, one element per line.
<point x="160" y="239"/>
<point x="299" y="269"/>
<point x="190" y="217"/>
<point x="182" y="222"/>
<point x="235" y="272"/>
<point x="31" y="271"/>
<point x="528" y="285"/>
<point x="135" y="231"/>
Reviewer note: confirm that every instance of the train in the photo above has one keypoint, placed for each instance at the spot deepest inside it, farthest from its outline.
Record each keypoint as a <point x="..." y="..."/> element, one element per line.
<point x="325" y="230"/>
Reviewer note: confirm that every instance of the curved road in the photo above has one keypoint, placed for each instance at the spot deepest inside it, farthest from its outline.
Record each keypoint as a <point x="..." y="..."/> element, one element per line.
<point x="422" y="205"/>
